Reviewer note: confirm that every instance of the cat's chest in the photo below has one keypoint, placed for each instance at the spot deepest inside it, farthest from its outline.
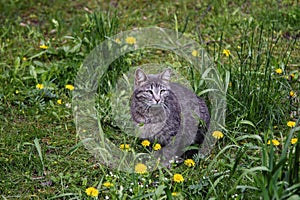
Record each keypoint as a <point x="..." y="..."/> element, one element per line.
<point x="157" y="114"/>
<point x="149" y="130"/>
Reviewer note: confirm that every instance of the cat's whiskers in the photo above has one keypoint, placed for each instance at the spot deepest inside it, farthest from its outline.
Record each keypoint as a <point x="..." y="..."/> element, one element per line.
<point x="166" y="108"/>
<point x="147" y="108"/>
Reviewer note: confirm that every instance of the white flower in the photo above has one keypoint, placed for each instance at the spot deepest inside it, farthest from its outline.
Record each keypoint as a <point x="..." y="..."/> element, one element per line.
<point x="68" y="105"/>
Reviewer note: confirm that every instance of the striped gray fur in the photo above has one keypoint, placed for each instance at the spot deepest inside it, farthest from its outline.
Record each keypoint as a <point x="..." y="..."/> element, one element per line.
<point x="168" y="113"/>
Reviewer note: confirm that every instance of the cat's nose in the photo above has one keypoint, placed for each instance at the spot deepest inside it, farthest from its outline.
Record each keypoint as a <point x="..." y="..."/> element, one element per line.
<point x="157" y="100"/>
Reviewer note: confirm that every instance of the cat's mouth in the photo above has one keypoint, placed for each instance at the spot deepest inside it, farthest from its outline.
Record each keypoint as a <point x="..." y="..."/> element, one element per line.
<point x="155" y="104"/>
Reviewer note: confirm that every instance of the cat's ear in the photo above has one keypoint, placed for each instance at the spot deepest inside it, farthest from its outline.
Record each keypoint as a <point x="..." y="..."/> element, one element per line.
<point x="140" y="77"/>
<point x="166" y="75"/>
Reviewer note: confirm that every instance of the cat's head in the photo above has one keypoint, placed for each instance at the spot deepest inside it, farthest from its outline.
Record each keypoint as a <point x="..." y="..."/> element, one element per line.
<point x="152" y="89"/>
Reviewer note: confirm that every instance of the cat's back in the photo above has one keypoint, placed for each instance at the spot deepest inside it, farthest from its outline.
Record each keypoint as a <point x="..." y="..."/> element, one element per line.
<point x="181" y="91"/>
<point x="190" y="103"/>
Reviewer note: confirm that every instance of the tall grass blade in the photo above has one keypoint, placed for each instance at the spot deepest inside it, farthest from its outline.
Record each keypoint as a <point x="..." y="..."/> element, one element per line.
<point x="39" y="150"/>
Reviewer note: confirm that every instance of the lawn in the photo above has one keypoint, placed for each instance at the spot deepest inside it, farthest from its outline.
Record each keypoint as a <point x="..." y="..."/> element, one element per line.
<point x="253" y="46"/>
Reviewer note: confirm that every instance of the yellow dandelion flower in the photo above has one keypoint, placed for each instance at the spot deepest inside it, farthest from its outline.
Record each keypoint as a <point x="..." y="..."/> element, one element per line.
<point x="178" y="178"/>
<point x="39" y="86"/>
<point x="294" y="140"/>
<point x="146" y="143"/>
<point x="118" y="40"/>
<point x="174" y="194"/>
<point x="291" y="124"/>
<point x="44" y="46"/>
<point x="226" y="52"/>
<point x="156" y="147"/>
<point x="17" y="91"/>
<point x="124" y="146"/>
<point x="278" y="71"/>
<point x="108" y="184"/>
<point x="195" y="53"/>
<point x="140" y="168"/>
<point x="292" y="93"/>
<point x="189" y="163"/>
<point x="91" y="191"/>
<point x="130" y="40"/>
<point x="292" y="76"/>
<point x="59" y="101"/>
<point x="217" y="134"/>
<point x="70" y="87"/>
<point x="24" y="58"/>
<point x="274" y="142"/>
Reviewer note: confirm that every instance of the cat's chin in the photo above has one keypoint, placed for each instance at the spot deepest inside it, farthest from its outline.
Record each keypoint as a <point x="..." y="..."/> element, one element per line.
<point x="156" y="105"/>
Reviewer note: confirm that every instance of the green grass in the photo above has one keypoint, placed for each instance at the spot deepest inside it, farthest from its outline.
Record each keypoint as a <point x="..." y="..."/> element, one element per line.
<point x="41" y="155"/>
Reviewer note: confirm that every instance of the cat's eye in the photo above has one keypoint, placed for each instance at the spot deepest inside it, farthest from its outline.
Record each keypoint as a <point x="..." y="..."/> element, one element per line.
<point x="162" y="91"/>
<point x="149" y="91"/>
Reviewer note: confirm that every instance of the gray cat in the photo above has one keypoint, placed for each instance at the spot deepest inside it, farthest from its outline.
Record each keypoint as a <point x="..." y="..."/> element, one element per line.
<point x="168" y="113"/>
